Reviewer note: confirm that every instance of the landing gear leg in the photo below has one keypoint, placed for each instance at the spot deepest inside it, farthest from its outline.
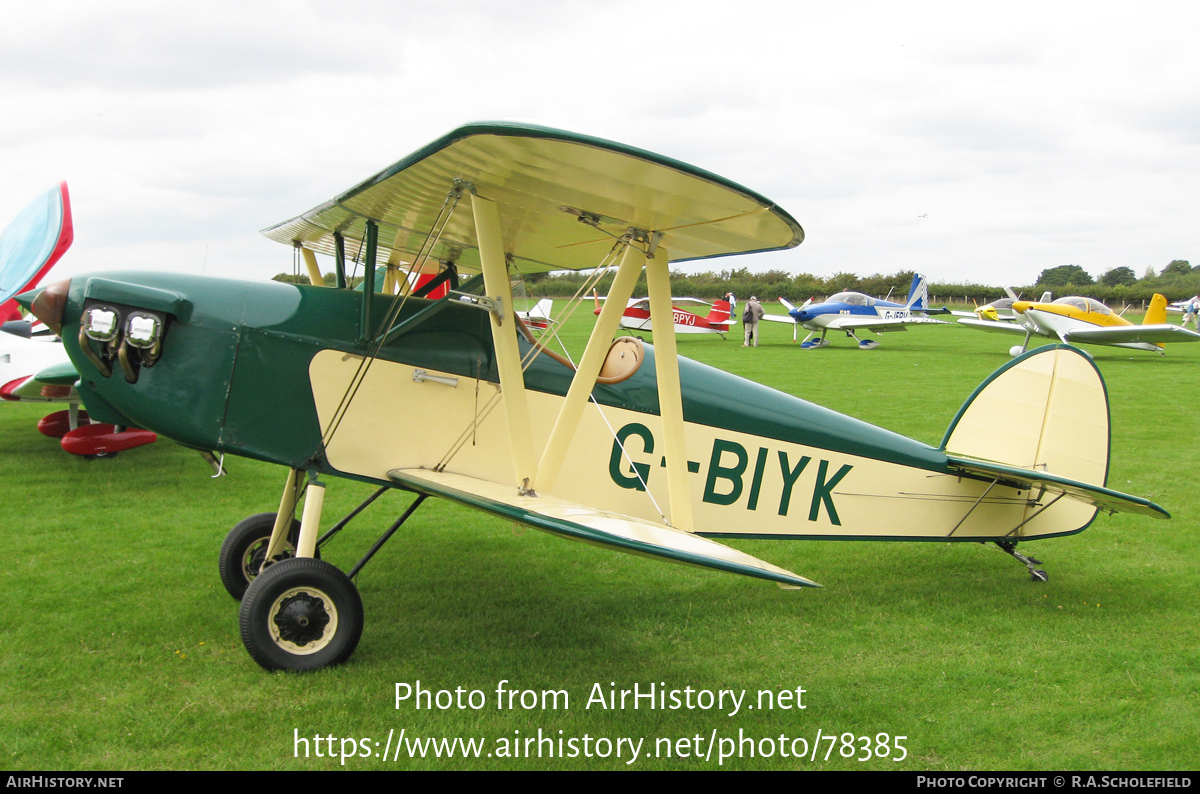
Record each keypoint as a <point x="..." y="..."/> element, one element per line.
<point x="1010" y="548"/>
<point x="863" y="344"/>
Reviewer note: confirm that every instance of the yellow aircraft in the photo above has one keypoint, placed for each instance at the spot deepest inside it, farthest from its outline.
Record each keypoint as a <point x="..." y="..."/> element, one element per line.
<point x="1085" y="320"/>
<point x="631" y="447"/>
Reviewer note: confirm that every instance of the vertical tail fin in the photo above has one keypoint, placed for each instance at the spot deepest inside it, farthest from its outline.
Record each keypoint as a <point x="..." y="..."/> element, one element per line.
<point x="918" y="294"/>
<point x="1046" y="410"/>
<point x="1157" y="313"/>
<point x="719" y="313"/>
<point x="542" y="309"/>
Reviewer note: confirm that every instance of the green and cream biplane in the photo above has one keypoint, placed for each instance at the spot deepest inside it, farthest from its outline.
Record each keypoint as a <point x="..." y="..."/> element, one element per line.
<point x="630" y="447"/>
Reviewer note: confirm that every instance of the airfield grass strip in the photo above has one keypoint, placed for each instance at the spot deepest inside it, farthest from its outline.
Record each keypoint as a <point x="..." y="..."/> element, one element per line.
<point x="119" y="647"/>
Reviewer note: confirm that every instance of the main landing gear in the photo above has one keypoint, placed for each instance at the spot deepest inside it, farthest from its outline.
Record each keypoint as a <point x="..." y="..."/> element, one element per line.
<point x="1010" y="548"/>
<point x="298" y="612"/>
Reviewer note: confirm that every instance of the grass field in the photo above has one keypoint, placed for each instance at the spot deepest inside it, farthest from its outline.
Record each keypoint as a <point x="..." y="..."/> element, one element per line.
<point x="119" y="648"/>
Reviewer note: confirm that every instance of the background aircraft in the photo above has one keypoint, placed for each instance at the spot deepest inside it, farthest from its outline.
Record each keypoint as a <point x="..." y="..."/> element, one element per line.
<point x="637" y="316"/>
<point x="1075" y="320"/>
<point x="630" y="447"/>
<point x="34" y="365"/>
<point x="1000" y="310"/>
<point x="854" y="311"/>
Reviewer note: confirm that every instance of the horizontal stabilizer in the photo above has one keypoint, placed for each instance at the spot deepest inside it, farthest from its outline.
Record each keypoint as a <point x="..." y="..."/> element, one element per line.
<point x="1103" y="498"/>
<point x="632" y="535"/>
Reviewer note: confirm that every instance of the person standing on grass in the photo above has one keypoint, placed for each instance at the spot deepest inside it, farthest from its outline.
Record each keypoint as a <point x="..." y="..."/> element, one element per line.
<point x="1190" y="310"/>
<point x="750" y="317"/>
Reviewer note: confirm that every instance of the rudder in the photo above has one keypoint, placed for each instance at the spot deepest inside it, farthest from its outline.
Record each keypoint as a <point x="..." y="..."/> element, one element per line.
<point x="1046" y="410"/>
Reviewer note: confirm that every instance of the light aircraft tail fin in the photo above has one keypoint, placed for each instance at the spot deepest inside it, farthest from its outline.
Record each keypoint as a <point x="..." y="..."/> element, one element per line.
<point x="1157" y="313"/>
<point x="541" y="309"/>
<point x="720" y="312"/>
<point x="918" y="294"/>
<point x="1041" y="422"/>
<point x="1047" y="296"/>
<point x="1046" y="411"/>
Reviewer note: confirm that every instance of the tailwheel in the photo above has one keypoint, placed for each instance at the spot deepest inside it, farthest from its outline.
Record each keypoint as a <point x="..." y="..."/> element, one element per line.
<point x="245" y="549"/>
<point x="301" y="614"/>
<point x="1035" y="574"/>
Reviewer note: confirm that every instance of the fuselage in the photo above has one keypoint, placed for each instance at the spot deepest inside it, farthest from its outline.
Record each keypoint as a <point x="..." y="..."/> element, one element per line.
<point x="847" y="304"/>
<point x="277" y="372"/>
<point x="637" y="318"/>
<point x="1058" y="318"/>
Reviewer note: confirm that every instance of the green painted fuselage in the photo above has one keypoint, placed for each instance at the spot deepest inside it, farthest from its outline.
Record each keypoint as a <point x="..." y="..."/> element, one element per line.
<point x="234" y="371"/>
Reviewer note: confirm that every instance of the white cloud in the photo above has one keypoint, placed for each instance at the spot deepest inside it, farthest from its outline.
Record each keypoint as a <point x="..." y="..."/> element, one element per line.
<point x="1030" y="134"/>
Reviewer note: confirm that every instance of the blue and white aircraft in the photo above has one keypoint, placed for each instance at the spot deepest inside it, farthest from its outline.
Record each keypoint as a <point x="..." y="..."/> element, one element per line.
<point x="853" y="311"/>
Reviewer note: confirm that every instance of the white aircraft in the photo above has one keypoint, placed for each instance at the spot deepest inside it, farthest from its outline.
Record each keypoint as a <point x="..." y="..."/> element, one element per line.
<point x="854" y="311"/>
<point x="1000" y="310"/>
<point x="1074" y="320"/>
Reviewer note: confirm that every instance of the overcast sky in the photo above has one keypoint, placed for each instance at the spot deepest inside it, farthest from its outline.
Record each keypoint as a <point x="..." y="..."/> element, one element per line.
<point x="973" y="145"/>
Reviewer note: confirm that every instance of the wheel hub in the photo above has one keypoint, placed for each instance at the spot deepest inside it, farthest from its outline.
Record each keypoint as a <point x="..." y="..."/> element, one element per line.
<point x="301" y="619"/>
<point x="256" y="556"/>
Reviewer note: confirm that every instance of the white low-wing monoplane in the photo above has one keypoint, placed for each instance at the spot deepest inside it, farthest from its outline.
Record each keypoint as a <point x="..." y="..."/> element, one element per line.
<point x="1075" y="320"/>
<point x="853" y="311"/>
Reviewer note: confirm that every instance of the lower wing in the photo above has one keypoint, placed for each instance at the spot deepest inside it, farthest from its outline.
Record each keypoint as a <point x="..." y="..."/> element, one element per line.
<point x="578" y="522"/>
<point x="991" y="326"/>
<point x="879" y="324"/>
<point x="1155" y="334"/>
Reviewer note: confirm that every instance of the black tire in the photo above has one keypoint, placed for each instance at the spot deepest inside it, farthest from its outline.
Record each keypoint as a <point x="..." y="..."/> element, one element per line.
<point x="245" y="547"/>
<point x="301" y="614"/>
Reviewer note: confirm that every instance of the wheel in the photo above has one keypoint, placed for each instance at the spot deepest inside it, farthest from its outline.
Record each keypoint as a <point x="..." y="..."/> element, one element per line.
<point x="1039" y="576"/>
<point x="101" y="456"/>
<point x="245" y="547"/>
<point x="301" y="614"/>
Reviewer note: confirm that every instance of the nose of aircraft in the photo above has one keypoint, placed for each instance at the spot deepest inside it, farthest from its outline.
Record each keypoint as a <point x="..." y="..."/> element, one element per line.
<point x="1020" y="306"/>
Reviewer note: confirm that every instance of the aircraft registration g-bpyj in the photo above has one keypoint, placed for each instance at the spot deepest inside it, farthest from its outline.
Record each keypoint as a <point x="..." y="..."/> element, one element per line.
<point x="637" y="317"/>
<point x="631" y="447"/>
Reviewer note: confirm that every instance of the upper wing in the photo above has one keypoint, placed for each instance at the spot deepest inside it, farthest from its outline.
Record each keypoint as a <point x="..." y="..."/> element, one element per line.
<point x="1133" y="333"/>
<point x="995" y="327"/>
<point x="633" y="535"/>
<point x="544" y="182"/>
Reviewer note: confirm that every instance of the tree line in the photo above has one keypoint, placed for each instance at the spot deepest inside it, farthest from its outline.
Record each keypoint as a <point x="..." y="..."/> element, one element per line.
<point x="1178" y="281"/>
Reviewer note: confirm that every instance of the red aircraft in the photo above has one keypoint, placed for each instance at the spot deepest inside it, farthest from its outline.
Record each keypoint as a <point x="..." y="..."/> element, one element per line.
<point x="718" y="321"/>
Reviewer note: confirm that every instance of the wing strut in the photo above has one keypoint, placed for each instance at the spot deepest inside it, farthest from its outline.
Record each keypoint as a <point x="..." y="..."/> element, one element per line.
<point x="670" y="396"/>
<point x="508" y="354"/>
<point x="589" y="367"/>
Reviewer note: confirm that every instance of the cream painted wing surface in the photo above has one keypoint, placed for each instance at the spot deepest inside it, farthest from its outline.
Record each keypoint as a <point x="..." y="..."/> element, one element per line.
<point x="625" y="533"/>
<point x="562" y="199"/>
<point x="1041" y="422"/>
